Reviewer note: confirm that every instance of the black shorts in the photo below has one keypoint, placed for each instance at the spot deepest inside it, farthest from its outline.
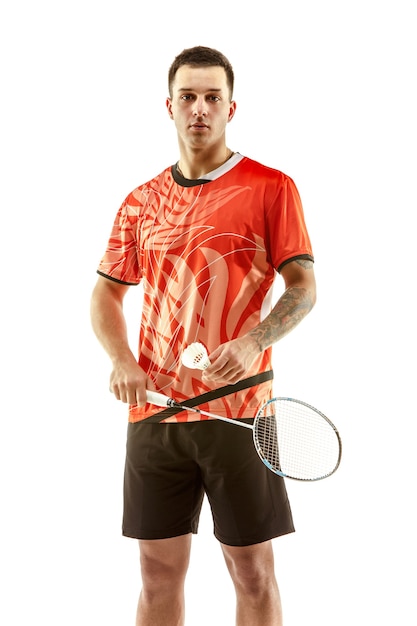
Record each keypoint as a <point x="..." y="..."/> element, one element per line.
<point x="169" y="468"/>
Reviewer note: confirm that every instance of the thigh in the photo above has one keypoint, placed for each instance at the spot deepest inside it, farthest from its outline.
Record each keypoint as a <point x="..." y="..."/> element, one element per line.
<point x="259" y="556"/>
<point x="249" y="503"/>
<point x="163" y="490"/>
<point x="165" y="560"/>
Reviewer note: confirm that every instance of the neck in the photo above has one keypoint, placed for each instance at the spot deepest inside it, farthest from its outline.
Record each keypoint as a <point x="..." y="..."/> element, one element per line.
<point x="196" y="165"/>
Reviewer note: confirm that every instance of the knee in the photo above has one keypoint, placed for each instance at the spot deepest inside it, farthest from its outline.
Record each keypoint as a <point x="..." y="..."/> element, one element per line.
<point x="160" y="571"/>
<point x="157" y="572"/>
<point x="250" y="579"/>
<point x="251" y="576"/>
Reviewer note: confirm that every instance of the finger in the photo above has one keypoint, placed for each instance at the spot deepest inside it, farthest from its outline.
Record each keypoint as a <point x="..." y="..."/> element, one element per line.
<point x="124" y="394"/>
<point x="140" y="394"/>
<point x="113" y="387"/>
<point x="229" y="373"/>
<point x="217" y="366"/>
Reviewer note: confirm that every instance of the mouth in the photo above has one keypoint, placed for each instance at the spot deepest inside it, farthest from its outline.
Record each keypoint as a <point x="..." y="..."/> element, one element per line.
<point x="199" y="126"/>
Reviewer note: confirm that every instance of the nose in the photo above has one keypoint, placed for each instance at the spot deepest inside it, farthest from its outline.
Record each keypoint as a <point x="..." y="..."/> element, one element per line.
<point x="200" y="109"/>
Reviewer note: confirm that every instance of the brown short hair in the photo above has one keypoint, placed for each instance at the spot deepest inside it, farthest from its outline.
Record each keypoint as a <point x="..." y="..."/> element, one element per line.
<point x="201" y="56"/>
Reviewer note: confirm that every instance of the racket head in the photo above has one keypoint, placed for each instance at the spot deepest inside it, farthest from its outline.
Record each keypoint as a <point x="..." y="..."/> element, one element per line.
<point x="295" y="440"/>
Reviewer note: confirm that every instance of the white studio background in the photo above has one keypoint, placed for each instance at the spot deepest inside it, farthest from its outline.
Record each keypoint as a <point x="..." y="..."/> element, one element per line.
<point x="326" y="93"/>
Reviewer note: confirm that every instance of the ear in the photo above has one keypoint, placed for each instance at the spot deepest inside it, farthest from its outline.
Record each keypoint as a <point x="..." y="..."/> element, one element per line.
<point x="169" y="107"/>
<point x="232" y="110"/>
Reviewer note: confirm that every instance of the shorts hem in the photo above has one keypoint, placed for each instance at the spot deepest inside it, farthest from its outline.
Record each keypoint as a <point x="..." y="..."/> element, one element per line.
<point x="250" y="541"/>
<point x="134" y="534"/>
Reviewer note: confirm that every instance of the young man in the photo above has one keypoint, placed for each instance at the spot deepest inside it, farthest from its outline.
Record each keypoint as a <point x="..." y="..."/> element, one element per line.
<point x="206" y="238"/>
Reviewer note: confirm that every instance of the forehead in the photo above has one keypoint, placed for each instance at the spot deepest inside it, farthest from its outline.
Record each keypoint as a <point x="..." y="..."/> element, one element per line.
<point x="200" y="79"/>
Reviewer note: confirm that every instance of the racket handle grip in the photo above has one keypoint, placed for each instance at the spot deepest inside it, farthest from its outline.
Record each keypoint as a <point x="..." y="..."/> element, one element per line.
<point x="153" y="397"/>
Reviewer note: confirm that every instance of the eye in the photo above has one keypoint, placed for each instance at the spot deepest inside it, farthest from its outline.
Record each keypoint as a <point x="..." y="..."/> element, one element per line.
<point x="186" y="97"/>
<point x="213" y="98"/>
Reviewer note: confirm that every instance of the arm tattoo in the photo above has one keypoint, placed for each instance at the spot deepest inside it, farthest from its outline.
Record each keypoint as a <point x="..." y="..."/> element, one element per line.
<point x="290" y="309"/>
<point x="307" y="264"/>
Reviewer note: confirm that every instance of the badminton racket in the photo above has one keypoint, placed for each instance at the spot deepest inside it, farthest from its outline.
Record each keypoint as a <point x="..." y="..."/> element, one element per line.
<point x="292" y="438"/>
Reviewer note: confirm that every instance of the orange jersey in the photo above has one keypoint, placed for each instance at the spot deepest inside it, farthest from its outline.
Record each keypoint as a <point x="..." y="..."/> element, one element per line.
<point x="207" y="252"/>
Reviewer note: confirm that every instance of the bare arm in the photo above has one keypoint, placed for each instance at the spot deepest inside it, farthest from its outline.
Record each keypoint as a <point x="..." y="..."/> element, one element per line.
<point x="295" y="303"/>
<point x="127" y="380"/>
<point x="232" y="360"/>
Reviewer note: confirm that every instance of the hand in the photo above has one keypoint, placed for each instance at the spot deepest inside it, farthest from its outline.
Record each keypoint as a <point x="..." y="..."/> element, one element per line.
<point x="231" y="361"/>
<point x="129" y="382"/>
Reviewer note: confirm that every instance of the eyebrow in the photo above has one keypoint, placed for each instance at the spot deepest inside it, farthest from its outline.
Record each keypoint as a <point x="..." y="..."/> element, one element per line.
<point x="191" y="89"/>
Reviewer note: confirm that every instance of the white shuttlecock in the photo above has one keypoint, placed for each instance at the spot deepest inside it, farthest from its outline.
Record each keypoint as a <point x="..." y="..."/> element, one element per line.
<point x="195" y="356"/>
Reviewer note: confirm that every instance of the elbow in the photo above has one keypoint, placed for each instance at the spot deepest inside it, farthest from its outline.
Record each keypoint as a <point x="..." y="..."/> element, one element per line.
<point x="313" y="297"/>
<point x="312" y="294"/>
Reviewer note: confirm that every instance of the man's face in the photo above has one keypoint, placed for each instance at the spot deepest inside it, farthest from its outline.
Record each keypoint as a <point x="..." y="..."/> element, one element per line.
<point x="200" y="106"/>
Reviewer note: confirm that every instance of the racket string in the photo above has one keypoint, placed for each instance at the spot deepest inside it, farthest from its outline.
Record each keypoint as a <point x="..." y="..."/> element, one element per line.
<point x="295" y="440"/>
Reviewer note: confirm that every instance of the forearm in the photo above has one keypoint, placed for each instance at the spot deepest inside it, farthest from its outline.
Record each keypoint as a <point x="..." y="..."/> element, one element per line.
<point x="128" y="381"/>
<point x="231" y="361"/>
<point x="109" y="325"/>
<point x="292" y="307"/>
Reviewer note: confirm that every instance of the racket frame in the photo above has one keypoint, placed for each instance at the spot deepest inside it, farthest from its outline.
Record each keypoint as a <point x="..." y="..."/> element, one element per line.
<point x="161" y="400"/>
<point x="311" y="408"/>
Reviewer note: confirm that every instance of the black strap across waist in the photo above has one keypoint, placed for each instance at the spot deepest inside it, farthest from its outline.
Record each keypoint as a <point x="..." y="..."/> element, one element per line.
<point x="257" y="379"/>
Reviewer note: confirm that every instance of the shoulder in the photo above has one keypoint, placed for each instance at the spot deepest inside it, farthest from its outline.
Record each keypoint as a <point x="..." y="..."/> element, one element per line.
<point x="155" y="185"/>
<point x="265" y="172"/>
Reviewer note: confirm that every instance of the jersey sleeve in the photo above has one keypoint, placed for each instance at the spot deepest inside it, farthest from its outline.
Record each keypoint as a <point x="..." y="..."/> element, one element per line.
<point x="287" y="231"/>
<point x="120" y="261"/>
